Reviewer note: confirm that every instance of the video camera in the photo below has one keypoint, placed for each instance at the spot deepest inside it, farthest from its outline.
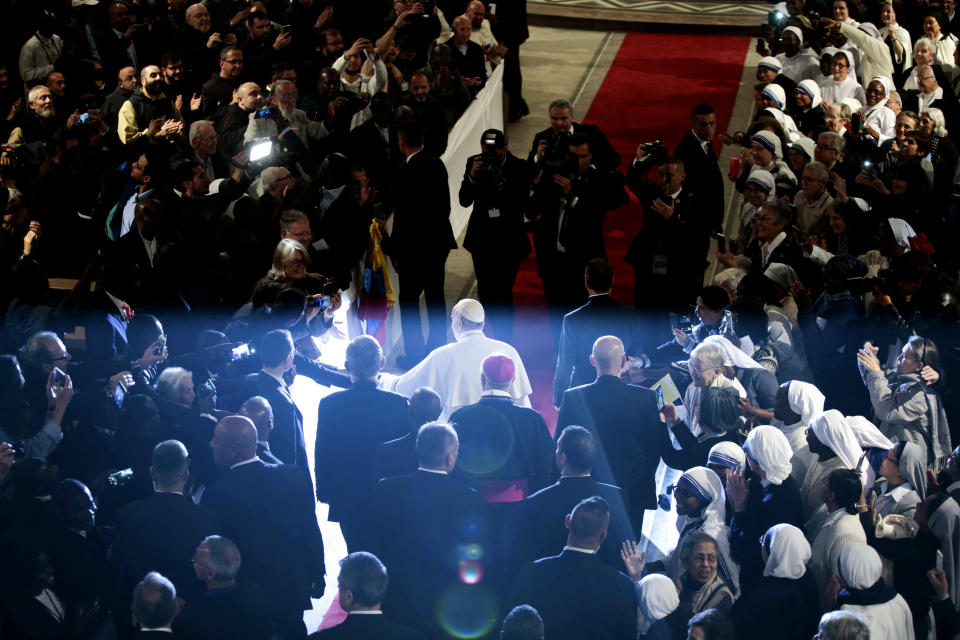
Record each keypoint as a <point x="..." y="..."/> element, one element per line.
<point x="656" y="151"/>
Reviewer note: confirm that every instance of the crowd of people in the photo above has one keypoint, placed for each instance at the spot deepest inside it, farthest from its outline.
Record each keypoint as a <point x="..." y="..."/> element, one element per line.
<point x="220" y="184"/>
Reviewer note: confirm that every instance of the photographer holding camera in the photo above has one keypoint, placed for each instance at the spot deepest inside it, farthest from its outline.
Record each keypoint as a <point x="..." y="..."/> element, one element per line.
<point x="605" y="157"/>
<point x="496" y="183"/>
<point x="571" y="198"/>
<point x="669" y="253"/>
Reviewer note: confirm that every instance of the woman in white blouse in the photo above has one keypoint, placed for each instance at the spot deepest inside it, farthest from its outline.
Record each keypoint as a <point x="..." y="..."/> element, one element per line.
<point x="897" y="39"/>
<point x="843" y="83"/>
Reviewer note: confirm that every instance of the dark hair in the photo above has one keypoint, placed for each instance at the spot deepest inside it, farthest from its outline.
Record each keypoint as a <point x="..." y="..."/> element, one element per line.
<point x="590" y="518"/>
<point x="279" y="67"/>
<point x="363" y="574"/>
<point x="158" y="167"/>
<point x="714" y="298"/>
<point x="599" y="275"/>
<point x="184" y="172"/>
<point x="720" y="409"/>
<point x="715" y="624"/>
<point x="925" y="351"/>
<point x="412" y="133"/>
<point x="225" y="52"/>
<point x="522" y="623"/>
<point x="142" y="331"/>
<point x="580" y="447"/>
<point x="60" y="138"/>
<point x="577" y="139"/>
<point x="170" y="460"/>
<point x="173" y="55"/>
<point x="846" y="487"/>
<point x="434" y="441"/>
<point x="847" y="266"/>
<point x="275" y="346"/>
<point x="702" y="110"/>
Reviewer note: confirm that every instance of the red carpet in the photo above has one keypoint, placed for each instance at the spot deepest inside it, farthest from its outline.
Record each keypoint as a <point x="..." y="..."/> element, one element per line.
<point x="655" y="80"/>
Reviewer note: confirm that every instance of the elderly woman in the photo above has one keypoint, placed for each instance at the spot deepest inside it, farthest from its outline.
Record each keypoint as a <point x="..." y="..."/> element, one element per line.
<point x="865" y="593"/>
<point x="701" y="586"/>
<point x="718" y="419"/>
<point x="760" y="384"/>
<point x="700" y="498"/>
<point x="843" y="83"/>
<point x="904" y="486"/>
<point x="289" y="269"/>
<point x="760" y="188"/>
<point x="706" y="369"/>
<point x="175" y="395"/>
<point x="908" y="408"/>
<point x="772" y="498"/>
<point x="943" y="153"/>
<point x="783" y="602"/>
<point x="841" y="493"/>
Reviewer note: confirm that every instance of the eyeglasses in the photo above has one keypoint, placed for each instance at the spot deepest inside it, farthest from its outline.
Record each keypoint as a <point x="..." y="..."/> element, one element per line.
<point x="234" y="61"/>
<point x="824" y="147"/>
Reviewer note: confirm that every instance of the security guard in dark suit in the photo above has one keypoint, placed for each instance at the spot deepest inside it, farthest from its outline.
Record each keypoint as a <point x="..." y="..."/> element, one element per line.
<point x="496" y="183"/>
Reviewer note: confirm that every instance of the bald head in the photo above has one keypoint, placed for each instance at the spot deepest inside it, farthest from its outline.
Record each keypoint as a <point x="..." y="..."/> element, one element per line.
<point x="260" y="413"/>
<point x="607" y="356"/>
<point x="234" y="440"/>
<point x="425" y="406"/>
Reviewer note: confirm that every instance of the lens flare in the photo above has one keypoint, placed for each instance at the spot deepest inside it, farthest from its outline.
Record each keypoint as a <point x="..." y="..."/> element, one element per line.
<point x="467" y="611"/>
<point x="471" y="571"/>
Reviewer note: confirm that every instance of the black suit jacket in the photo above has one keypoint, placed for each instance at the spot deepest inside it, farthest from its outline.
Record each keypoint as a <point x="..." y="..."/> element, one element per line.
<point x="703" y="177"/>
<point x="232" y="613"/>
<point x="106" y="330"/>
<point x="421" y="223"/>
<point x="264" y="453"/>
<point x="502" y="235"/>
<point x="542" y="529"/>
<point x="471" y="64"/>
<point x="377" y="155"/>
<point x="350" y="425"/>
<point x="578" y="597"/>
<point x="422" y="520"/>
<point x="626" y="422"/>
<point x="160" y="533"/>
<point x="600" y="316"/>
<point x="268" y="511"/>
<point x="367" y="627"/>
<point x="286" y="439"/>
<point x="395" y="458"/>
<point x="605" y="157"/>
<point x="501" y="441"/>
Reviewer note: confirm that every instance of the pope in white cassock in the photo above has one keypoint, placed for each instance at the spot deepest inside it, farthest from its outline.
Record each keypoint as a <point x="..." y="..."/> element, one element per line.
<point x="453" y="370"/>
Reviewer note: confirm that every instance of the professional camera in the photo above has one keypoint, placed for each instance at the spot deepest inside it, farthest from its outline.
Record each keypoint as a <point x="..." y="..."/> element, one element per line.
<point x="884" y="281"/>
<point x="657" y="153"/>
<point x="557" y="158"/>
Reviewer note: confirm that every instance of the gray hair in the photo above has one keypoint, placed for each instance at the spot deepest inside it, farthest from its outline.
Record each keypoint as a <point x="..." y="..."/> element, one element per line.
<point x="154" y="601"/>
<point x="364" y="356"/>
<point x="363" y="574"/>
<point x="710" y="356"/>
<point x="284" y="254"/>
<point x="843" y="625"/>
<point x="169" y="381"/>
<point x="693" y="539"/>
<point x="223" y="557"/>
<point x="291" y="216"/>
<point x="270" y="175"/>
<point x="36" y="351"/>
<point x="836" y="141"/>
<point x="35" y="93"/>
<point x="435" y="441"/>
<point x="197" y="126"/>
<point x="939" y="122"/>
<point x="284" y="83"/>
<point x="823" y="174"/>
<point x="560" y="103"/>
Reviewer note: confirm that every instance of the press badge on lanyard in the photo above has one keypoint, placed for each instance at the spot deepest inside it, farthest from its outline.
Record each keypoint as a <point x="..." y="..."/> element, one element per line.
<point x="659" y="265"/>
<point x="493" y="213"/>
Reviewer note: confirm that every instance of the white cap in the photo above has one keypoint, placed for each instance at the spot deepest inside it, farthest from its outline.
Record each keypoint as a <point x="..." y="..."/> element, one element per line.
<point x="469" y="309"/>
<point x="82" y="3"/>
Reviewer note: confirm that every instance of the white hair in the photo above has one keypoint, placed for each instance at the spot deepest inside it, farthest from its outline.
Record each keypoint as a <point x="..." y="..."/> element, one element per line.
<point x="168" y="383"/>
<point x="197" y="126"/>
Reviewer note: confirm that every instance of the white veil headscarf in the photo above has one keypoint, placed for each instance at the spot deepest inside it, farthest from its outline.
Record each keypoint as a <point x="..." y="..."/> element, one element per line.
<point x="788" y="552"/>
<point x="807" y="401"/>
<point x="867" y="434"/>
<point x="705" y="484"/>
<point x="657" y="598"/>
<point x="770" y="449"/>
<point x="860" y="565"/>
<point x="832" y="430"/>
<point x="902" y="231"/>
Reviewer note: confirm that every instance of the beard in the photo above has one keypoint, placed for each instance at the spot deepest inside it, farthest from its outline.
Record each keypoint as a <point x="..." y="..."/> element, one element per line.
<point x="45" y="112"/>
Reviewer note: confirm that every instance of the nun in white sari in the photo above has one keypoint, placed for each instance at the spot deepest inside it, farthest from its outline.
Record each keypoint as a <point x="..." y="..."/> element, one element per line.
<point x="866" y="594"/>
<point x="843" y="83"/>
<point x="878" y="120"/>
<point x="704" y="485"/>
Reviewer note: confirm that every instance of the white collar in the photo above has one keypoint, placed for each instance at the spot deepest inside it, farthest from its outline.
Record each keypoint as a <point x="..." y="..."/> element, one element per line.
<point x="776" y="242"/>
<point x="469" y="334"/>
<point x="414" y="153"/>
<point x="591" y="552"/>
<point x="436" y="471"/>
<point x="164" y="629"/>
<point x="896" y="493"/>
<point x="498" y="393"/>
<point x="240" y="464"/>
<point x="115" y="300"/>
<point x="365" y="613"/>
<point x="676" y="193"/>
